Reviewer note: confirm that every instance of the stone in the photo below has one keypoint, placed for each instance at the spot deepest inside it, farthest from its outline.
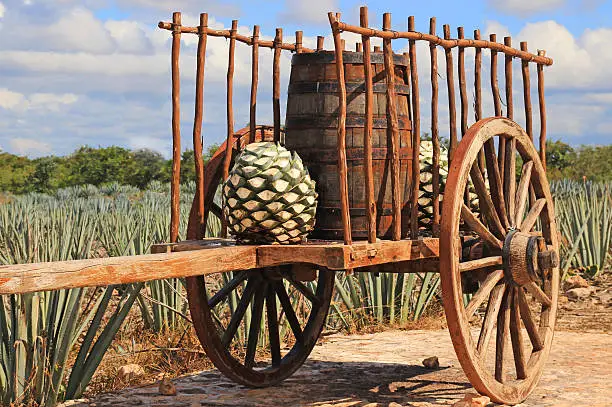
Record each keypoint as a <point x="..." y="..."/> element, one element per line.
<point x="129" y="372"/>
<point x="167" y="388"/>
<point x="576" y="281"/>
<point x="473" y="400"/>
<point x="431" y="362"/>
<point x="579" y="293"/>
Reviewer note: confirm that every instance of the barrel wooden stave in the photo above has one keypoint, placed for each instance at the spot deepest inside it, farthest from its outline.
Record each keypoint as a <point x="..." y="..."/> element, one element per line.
<point x="311" y="130"/>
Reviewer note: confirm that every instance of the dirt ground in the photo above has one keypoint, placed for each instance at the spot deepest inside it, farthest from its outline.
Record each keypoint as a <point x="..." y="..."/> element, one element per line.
<point x="384" y="369"/>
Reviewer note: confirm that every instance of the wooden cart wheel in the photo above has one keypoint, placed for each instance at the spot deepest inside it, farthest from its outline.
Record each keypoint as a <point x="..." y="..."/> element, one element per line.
<point x="257" y="326"/>
<point x="498" y="265"/>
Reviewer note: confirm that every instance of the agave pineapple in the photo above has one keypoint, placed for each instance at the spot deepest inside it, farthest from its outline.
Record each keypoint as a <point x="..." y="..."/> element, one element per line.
<point x="269" y="196"/>
<point x="426" y="183"/>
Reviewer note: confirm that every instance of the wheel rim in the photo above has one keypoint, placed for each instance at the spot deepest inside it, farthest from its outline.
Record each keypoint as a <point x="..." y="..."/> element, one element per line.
<point x="224" y="307"/>
<point x="505" y="256"/>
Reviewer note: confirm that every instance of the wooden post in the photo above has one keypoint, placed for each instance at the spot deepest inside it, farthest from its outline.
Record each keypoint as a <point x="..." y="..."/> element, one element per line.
<point x="358" y="47"/>
<point x="298" y="42"/>
<point x="435" y="137"/>
<point x="497" y="106"/>
<point x="478" y="95"/>
<point x="494" y="82"/>
<point x="450" y="83"/>
<point x="197" y="122"/>
<point x="416" y="134"/>
<point x="230" y="113"/>
<point x="254" y="82"/>
<point x="367" y="129"/>
<point x="462" y="84"/>
<point x="508" y="71"/>
<point x="393" y="126"/>
<point x="527" y="93"/>
<point x="377" y="48"/>
<point x="542" y="104"/>
<point x="320" y="42"/>
<point x="342" y="164"/>
<point x="477" y="80"/>
<point x="175" y="186"/>
<point x="278" y="40"/>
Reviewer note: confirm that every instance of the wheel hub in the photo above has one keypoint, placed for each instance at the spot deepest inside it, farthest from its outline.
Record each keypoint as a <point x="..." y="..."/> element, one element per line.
<point x="527" y="258"/>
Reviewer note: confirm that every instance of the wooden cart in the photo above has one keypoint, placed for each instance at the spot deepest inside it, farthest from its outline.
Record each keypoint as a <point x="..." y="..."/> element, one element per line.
<point x="498" y="264"/>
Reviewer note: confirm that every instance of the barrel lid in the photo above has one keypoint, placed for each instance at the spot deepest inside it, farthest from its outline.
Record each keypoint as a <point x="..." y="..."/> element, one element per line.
<point x="350" y="57"/>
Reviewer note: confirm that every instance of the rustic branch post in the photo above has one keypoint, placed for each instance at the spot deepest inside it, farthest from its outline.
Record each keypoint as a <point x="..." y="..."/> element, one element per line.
<point x="367" y="129"/>
<point x="527" y="93"/>
<point x="254" y="82"/>
<point x="176" y="129"/>
<point x="197" y="122"/>
<point x="450" y="83"/>
<point x="416" y="134"/>
<point x="435" y="137"/>
<point x="542" y="104"/>
<point x="342" y="164"/>
<point x="278" y="41"/>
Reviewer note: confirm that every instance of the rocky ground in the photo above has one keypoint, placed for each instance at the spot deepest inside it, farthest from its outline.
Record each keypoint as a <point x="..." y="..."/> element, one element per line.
<point x="385" y="368"/>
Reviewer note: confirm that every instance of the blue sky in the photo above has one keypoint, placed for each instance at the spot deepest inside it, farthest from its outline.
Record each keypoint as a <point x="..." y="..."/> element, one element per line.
<point x="96" y="72"/>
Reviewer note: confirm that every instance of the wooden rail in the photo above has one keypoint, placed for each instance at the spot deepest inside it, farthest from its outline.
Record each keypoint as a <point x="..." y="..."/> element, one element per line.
<point x="209" y="256"/>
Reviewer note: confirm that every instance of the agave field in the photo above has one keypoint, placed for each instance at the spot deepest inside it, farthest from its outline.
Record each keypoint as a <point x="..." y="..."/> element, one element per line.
<point x="51" y="343"/>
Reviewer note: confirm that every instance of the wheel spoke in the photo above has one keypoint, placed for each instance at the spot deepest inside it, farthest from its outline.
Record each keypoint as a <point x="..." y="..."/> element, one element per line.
<point x="272" y="316"/>
<point x="478" y="227"/>
<point x="517" y="338"/>
<point x="232" y="327"/>
<point x="530" y="324"/>
<point x="289" y="312"/>
<point x="495" y="181"/>
<point x="484" y="291"/>
<point x="249" y="360"/>
<point x="522" y="193"/>
<point x="503" y="326"/>
<point x="490" y="317"/>
<point x="538" y="294"/>
<point x="480" y="263"/>
<point x="307" y="292"/>
<point x="510" y="176"/>
<point x="532" y="216"/>
<point x="484" y="199"/>
<point x="228" y="288"/>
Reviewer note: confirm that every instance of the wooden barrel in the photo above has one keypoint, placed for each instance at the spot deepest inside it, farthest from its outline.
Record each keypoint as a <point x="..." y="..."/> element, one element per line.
<point x="311" y="130"/>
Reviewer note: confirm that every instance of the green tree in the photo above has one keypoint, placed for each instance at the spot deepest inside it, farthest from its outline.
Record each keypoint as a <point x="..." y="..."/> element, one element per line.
<point x="147" y="165"/>
<point x="559" y="157"/>
<point x="15" y="173"/>
<point x="96" y="166"/>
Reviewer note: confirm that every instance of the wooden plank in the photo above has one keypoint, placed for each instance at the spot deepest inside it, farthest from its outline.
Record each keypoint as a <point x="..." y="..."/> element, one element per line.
<point x="342" y="257"/>
<point x="25" y="278"/>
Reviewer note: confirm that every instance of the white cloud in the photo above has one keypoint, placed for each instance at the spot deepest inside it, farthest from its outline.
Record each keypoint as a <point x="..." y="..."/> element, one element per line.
<point x="526" y="7"/>
<point x="11" y="100"/>
<point x="23" y="146"/>
<point x="2" y="10"/>
<point x="313" y="11"/>
<point x="18" y="102"/>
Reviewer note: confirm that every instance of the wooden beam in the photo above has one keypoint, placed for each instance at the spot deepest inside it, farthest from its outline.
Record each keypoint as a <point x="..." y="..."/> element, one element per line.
<point x="26" y="278"/>
<point x="210" y="256"/>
